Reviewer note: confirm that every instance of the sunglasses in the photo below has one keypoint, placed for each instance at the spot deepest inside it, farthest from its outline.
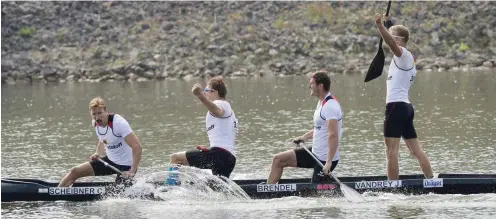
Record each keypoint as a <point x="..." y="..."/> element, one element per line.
<point x="208" y="90"/>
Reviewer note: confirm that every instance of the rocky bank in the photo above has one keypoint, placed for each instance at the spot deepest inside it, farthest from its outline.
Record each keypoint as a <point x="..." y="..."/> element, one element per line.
<point x="98" y="41"/>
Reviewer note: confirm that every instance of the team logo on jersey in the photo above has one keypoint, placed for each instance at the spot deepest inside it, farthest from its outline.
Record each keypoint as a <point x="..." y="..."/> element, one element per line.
<point x="105" y="141"/>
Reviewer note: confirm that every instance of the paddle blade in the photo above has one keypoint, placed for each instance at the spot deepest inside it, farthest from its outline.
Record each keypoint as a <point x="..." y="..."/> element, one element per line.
<point x="351" y="194"/>
<point x="375" y="68"/>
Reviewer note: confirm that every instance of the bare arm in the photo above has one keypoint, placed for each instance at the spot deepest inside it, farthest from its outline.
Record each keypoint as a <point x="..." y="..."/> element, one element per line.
<point x="388" y="39"/>
<point x="333" y="138"/>
<point x="99" y="148"/>
<point x="133" y="142"/>
<point x="308" y="135"/>
<point x="211" y="106"/>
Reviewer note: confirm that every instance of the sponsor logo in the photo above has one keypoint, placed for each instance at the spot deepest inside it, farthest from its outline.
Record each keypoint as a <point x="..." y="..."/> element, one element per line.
<point x="210" y="127"/>
<point x="378" y="184"/>
<point x="73" y="190"/>
<point x="433" y="183"/>
<point x="326" y="187"/>
<point x="114" y="146"/>
<point x="318" y="127"/>
<point x="276" y="188"/>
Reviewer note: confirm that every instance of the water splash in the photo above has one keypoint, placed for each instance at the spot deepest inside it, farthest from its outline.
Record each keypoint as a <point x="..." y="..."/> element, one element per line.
<point x="196" y="184"/>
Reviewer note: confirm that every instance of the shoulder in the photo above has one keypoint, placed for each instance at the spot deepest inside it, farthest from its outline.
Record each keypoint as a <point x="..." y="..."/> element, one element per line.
<point x="405" y="53"/>
<point x="332" y="104"/>
<point x="118" y="119"/>
<point x="223" y="103"/>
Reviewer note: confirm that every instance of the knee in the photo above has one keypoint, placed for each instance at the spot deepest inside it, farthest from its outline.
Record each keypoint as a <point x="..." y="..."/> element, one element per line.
<point x="75" y="172"/>
<point x="278" y="160"/>
<point x="392" y="152"/>
<point x="175" y="159"/>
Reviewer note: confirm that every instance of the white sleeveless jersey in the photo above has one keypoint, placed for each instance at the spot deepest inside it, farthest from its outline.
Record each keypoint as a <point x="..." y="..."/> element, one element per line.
<point x="112" y="136"/>
<point x="326" y="110"/>
<point x="401" y="75"/>
<point x="222" y="131"/>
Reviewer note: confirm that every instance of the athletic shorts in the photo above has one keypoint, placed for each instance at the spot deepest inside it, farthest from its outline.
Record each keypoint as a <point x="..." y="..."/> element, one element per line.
<point x="398" y="121"/>
<point x="101" y="170"/>
<point x="219" y="160"/>
<point x="305" y="160"/>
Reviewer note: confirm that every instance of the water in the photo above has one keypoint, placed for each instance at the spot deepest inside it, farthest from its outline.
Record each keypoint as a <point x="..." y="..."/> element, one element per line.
<point x="46" y="130"/>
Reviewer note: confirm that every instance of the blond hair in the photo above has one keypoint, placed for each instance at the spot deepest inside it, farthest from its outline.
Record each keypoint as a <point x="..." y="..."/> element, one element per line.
<point x="402" y="31"/>
<point x="97" y="102"/>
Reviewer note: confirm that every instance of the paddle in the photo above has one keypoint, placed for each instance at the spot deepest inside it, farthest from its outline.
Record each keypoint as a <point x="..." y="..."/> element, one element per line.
<point x="375" y="68"/>
<point x="349" y="193"/>
<point x="126" y="182"/>
<point x="110" y="166"/>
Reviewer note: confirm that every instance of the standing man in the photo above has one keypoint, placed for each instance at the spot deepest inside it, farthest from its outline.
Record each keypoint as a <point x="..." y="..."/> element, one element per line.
<point x="221" y="126"/>
<point x="122" y="146"/>
<point x="399" y="111"/>
<point x="326" y="135"/>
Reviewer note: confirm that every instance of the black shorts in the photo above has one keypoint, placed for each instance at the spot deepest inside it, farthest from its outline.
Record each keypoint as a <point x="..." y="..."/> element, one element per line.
<point x="398" y="121"/>
<point x="101" y="170"/>
<point x="219" y="160"/>
<point x="305" y="160"/>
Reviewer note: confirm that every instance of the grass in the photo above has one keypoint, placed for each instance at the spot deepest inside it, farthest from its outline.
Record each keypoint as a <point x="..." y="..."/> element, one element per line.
<point x="463" y="47"/>
<point x="319" y="11"/>
<point x="27" y="31"/>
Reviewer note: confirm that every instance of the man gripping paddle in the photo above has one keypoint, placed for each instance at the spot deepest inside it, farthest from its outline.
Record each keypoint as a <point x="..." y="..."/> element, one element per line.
<point x="326" y="135"/>
<point x="399" y="113"/>
<point x="121" y="145"/>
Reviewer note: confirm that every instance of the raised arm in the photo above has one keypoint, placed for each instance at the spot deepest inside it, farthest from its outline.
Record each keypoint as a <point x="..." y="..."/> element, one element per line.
<point x="388" y="39"/>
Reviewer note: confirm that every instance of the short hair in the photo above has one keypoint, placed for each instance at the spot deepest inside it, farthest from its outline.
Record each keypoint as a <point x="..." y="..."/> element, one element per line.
<point x="217" y="83"/>
<point x="402" y="32"/>
<point x="97" y="102"/>
<point x="322" y="77"/>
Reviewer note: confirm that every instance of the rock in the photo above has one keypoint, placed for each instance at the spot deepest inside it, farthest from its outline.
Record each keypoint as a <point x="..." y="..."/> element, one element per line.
<point x="111" y="40"/>
<point x="142" y="79"/>
<point x="10" y="80"/>
<point x="273" y="52"/>
<point x="43" y="48"/>
<point x="132" y="76"/>
<point x="163" y="75"/>
<point x="149" y="74"/>
<point x="488" y="64"/>
<point x="19" y="75"/>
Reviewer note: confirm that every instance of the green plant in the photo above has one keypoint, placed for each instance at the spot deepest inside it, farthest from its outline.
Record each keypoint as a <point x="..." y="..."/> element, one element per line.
<point x="27" y="31"/>
<point x="463" y="47"/>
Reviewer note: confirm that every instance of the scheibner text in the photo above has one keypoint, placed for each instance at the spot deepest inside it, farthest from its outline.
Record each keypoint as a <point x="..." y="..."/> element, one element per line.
<point x="76" y="190"/>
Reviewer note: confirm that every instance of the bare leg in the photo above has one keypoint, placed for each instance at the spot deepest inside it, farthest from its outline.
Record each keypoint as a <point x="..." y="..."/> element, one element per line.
<point x="281" y="160"/>
<point x="392" y="150"/>
<point x="179" y="158"/>
<point x="416" y="150"/>
<point x="75" y="173"/>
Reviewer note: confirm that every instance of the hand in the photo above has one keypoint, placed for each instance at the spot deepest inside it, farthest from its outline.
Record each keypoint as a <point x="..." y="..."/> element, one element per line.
<point x="378" y="19"/>
<point x="197" y="89"/>
<point x="299" y="140"/>
<point x="326" y="168"/>
<point x="202" y="148"/>
<point x="128" y="174"/>
<point x="94" y="156"/>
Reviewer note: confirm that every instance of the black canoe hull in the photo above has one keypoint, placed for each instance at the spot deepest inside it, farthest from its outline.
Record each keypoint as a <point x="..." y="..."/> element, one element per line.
<point x="38" y="190"/>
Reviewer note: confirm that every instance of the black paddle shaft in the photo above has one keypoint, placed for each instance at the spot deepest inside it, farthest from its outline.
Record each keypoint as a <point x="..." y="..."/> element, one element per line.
<point x="375" y="68"/>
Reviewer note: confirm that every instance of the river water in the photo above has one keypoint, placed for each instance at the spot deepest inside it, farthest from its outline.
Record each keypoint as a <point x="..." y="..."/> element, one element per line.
<point x="46" y="130"/>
